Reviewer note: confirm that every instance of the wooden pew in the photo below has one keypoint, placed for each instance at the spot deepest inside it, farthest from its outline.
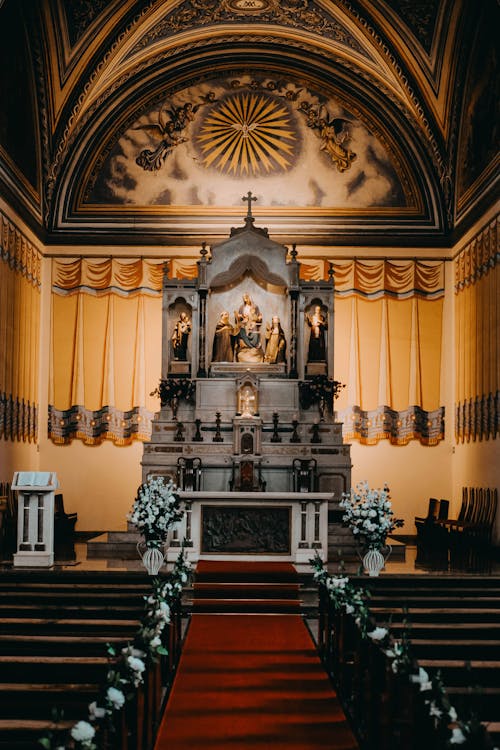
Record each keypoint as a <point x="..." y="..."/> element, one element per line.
<point x="453" y="625"/>
<point x="53" y="633"/>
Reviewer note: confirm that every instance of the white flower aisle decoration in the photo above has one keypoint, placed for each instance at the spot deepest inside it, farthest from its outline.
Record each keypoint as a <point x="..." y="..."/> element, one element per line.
<point x="370" y="516"/>
<point x="155" y="511"/>
<point x="128" y="666"/>
<point x="449" y="729"/>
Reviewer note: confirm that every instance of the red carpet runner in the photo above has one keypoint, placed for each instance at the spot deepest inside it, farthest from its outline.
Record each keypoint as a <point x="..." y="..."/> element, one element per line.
<point x="252" y="682"/>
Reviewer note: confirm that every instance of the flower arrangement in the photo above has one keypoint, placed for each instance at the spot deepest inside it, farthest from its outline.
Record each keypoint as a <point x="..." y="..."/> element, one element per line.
<point x="319" y="388"/>
<point x="155" y="510"/>
<point x="369" y="514"/>
<point x="170" y="389"/>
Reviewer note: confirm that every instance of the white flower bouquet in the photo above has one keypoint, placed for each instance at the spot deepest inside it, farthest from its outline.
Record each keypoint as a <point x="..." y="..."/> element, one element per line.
<point x="155" y="510"/>
<point x="369" y="514"/>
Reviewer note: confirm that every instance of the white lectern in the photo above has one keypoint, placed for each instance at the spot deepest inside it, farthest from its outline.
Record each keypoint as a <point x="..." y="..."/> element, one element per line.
<point x="35" y="517"/>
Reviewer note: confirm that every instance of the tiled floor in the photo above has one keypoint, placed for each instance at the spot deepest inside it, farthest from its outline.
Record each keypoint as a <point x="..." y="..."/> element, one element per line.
<point x="410" y="565"/>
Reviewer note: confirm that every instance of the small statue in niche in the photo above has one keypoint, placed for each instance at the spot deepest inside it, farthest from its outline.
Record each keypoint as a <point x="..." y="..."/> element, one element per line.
<point x="247" y="402"/>
<point x="223" y="343"/>
<point x="275" y="342"/>
<point x="318" y="324"/>
<point x="180" y="336"/>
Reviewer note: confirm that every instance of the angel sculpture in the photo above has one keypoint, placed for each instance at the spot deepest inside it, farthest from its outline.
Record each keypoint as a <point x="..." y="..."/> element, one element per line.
<point x="334" y="133"/>
<point x="168" y="130"/>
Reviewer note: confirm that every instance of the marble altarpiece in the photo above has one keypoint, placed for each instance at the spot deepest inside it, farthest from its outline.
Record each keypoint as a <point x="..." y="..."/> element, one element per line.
<point x="245" y="451"/>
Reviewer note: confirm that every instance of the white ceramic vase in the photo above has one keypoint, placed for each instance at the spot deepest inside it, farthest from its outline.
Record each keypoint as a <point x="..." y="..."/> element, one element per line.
<point x="374" y="561"/>
<point x="152" y="558"/>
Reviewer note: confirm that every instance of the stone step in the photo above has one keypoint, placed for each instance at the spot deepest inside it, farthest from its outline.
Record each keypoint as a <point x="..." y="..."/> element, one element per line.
<point x="106" y="547"/>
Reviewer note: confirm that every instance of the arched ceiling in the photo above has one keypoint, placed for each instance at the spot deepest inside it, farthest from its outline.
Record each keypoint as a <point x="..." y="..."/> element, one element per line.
<point x="343" y="118"/>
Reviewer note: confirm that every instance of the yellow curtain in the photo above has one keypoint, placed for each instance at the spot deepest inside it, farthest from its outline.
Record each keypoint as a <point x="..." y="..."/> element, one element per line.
<point x="20" y="264"/>
<point x="106" y="351"/>
<point x="477" y="321"/>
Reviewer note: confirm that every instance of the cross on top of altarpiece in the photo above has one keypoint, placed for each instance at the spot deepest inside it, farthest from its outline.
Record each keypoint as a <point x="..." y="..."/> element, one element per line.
<point x="249" y="198"/>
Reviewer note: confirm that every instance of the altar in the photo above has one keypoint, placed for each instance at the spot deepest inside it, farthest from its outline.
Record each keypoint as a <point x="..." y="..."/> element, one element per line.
<point x="247" y="419"/>
<point x="262" y="525"/>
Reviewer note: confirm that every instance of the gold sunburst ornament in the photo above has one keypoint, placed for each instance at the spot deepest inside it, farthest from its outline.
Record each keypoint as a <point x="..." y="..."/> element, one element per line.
<point x="248" y="134"/>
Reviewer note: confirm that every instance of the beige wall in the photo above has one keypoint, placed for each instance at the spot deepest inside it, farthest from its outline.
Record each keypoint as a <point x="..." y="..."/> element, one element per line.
<point x="98" y="482"/>
<point x="17" y="456"/>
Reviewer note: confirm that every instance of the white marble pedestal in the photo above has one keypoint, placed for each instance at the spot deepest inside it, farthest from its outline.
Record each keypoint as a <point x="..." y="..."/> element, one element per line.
<point x="35" y="518"/>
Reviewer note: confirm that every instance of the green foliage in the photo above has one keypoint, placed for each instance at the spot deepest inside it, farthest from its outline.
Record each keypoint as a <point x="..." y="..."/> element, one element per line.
<point x="317" y="388"/>
<point x="175" y="388"/>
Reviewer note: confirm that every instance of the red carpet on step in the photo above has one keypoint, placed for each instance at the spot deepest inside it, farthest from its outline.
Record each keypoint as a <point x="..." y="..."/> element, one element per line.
<point x="252" y="682"/>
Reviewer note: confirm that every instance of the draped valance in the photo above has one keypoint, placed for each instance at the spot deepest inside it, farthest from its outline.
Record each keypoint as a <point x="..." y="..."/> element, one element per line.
<point x="18" y="252"/>
<point x="101" y="275"/>
<point x="367" y="278"/>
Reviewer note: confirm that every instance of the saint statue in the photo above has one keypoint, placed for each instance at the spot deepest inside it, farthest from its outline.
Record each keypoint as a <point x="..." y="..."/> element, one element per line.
<point x="248" y="311"/>
<point x="275" y="342"/>
<point x="222" y="348"/>
<point x="180" y="336"/>
<point x="318" y="324"/>
<point x="247" y="402"/>
<point x="248" y="346"/>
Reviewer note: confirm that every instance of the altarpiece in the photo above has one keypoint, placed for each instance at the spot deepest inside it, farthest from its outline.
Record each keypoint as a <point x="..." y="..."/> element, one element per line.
<point x="248" y="332"/>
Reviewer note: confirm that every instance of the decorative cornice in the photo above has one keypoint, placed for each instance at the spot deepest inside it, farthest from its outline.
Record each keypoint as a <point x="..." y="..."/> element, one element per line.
<point x="304" y="14"/>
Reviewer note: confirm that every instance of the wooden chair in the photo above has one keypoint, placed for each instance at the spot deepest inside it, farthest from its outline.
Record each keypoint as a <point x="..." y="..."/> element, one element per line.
<point x="64" y="530"/>
<point x="8" y="522"/>
<point x="470" y="535"/>
<point x="432" y="543"/>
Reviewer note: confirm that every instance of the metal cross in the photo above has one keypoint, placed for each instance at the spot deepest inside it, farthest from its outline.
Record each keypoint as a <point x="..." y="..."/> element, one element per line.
<point x="249" y="198"/>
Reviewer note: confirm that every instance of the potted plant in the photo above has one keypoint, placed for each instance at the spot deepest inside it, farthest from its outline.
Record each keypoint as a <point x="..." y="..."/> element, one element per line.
<point x="173" y="390"/>
<point x="369" y="514"/>
<point x="156" y="509"/>
<point x="321" y="390"/>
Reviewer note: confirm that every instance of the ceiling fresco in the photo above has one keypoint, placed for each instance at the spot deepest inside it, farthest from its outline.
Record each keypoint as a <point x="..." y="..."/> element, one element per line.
<point x="352" y="121"/>
<point x="209" y="142"/>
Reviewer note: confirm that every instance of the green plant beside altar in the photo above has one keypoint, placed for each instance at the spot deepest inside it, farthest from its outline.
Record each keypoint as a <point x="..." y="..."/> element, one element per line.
<point x="320" y="389"/>
<point x="173" y="390"/>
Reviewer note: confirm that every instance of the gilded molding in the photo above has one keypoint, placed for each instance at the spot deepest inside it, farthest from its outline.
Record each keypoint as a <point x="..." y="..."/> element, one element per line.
<point x="303" y="14"/>
<point x="430" y="139"/>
